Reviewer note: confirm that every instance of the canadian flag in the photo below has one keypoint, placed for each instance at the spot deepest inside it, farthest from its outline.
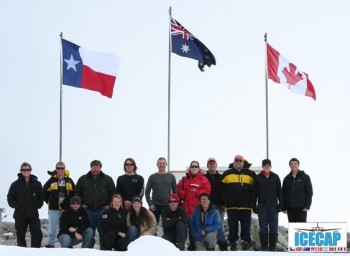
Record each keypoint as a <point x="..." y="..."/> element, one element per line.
<point x="281" y="71"/>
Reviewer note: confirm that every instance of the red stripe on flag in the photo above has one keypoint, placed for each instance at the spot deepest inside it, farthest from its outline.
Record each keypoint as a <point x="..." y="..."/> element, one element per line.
<point x="272" y="63"/>
<point x="96" y="81"/>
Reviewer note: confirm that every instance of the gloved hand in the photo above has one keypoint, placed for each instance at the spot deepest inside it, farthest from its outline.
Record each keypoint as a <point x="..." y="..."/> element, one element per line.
<point x="255" y="210"/>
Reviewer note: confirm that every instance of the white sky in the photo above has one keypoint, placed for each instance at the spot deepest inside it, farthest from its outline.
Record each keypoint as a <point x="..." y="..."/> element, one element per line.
<point x="145" y="245"/>
<point x="217" y="113"/>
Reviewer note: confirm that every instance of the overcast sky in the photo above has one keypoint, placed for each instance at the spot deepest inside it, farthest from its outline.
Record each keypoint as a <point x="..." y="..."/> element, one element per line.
<point x="217" y="113"/>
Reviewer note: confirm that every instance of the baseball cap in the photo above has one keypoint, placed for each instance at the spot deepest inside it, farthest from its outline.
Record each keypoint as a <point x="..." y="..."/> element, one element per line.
<point x="211" y="160"/>
<point x="173" y="197"/>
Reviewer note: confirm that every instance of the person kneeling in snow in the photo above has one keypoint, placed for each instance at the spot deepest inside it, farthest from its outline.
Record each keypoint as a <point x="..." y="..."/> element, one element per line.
<point x="204" y="223"/>
<point x="74" y="226"/>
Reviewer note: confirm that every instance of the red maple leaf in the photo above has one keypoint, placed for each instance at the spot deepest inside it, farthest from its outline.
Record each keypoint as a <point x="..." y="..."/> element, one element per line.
<point x="291" y="76"/>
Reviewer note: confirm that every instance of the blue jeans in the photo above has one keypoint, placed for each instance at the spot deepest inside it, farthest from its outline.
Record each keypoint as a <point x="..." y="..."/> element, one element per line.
<point x="133" y="233"/>
<point x="221" y="232"/>
<point x="54" y="221"/>
<point x="244" y="217"/>
<point x="67" y="241"/>
<point x="268" y="218"/>
<point x="95" y="219"/>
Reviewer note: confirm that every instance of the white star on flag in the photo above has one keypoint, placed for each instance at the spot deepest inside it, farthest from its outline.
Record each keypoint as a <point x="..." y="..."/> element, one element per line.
<point x="185" y="48"/>
<point x="72" y="63"/>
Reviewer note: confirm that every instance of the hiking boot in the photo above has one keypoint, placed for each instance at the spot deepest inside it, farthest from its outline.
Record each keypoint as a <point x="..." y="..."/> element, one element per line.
<point x="233" y="246"/>
<point x="223" y="246"/>
<point x="180" y="246"/>
<point x="246" y="245"/>
<point x="210" y="249"/>
<point x="191" y="247"/>
<point x="49" y="246"/>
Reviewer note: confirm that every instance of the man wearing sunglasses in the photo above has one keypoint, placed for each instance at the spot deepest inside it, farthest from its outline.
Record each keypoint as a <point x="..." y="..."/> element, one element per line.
<point x="26" y="197"/>
<point x="58" y="191"/>
<point x="238" y="188"/>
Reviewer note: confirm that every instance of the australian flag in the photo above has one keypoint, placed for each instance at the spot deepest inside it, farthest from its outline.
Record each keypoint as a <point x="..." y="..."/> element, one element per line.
<point x="185" y="44"/>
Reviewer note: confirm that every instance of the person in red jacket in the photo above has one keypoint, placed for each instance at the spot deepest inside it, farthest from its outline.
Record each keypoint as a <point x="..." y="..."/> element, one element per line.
<point x="189" y="188"/>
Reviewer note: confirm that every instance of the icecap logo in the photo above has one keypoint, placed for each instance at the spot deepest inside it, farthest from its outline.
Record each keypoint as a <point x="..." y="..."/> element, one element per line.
<point x="315" y="237"/>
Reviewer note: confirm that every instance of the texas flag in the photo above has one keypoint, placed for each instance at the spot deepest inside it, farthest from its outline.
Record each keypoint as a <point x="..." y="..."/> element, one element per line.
<point x="280" y="70"/>
<point x="82" y="68"/>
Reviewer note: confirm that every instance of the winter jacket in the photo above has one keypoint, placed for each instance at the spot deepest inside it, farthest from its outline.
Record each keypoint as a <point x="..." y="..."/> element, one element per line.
<point x="52" y="190"/>
<point x="145" y="228"/>
<point x="297" y="192"/>
<point x="129" y="186"/>
<point x="25" y="198"/>
<point x="268" y="189"/>
<point x="95" y="193"/>
<point x="76" y="219"/>
<point x="208" y="221"/>
<point x="171" y="218"/>
<point x="216" y="195"/>
<point x="114" y="220"/>
<point x="238" y="188"/>
<point x="190" y="188"/>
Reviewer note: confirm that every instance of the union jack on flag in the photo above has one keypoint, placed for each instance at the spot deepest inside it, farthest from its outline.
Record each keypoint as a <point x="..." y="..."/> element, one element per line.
<point x="185" y="44"/>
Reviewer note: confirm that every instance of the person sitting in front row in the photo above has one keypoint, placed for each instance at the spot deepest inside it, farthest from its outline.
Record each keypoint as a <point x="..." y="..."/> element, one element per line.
<point x="114" y="226"/>
<point x="174" y="221"/>
<point x="204" y="223"/>
<point x="74" y="226"/>
<point x="140" y="221"/>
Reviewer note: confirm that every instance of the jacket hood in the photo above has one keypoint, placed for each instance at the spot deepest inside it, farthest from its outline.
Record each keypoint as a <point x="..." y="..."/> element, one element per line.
<point x="54" y="173"/>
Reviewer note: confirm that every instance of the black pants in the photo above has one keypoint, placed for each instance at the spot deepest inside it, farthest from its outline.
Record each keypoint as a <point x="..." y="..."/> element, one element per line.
<point x="296" y="215"/>
<point x="21" y="225"/>
<point x="112" y="240"/>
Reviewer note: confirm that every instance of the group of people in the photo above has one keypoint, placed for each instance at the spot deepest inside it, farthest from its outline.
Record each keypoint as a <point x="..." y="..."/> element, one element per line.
<point x="192" y="208"/>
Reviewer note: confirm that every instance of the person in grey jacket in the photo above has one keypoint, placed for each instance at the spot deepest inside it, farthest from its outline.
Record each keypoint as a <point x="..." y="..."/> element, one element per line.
<point x="297" y="193"/>
<point x="96" y="190"/>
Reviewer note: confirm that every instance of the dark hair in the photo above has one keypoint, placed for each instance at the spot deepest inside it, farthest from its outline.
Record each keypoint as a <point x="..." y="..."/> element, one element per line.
<point x="131" y="160"/>
<point x="26" y="164"/>
<point x="96" y="162"/>
<point x="195" y="162"/>
<point x="144" y="216"/>
<point x="294" y="160"/>
<point x="204" y="194"/>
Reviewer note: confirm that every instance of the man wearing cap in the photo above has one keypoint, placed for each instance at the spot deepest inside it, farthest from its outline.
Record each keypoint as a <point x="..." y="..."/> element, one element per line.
<point x="238" y="186"/>
<point x="268" y="195"/>
<point x="96" y="190"/>
<point x="58" y="190"/>
<point x="217" y="200"/>
<point x="74" y="226"/>
<point x="174" y="221"/>
<point x="162" y="183"/>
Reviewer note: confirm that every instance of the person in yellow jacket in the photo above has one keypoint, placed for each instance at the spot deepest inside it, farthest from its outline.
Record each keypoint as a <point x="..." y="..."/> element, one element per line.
<point x="58" y="191"/>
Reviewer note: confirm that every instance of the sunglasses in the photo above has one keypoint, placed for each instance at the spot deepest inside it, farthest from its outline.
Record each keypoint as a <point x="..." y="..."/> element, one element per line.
<point x="204" y="200"/>
<point x="25" y="170"/>
<point x="129" y="164"/>
<point x="173" y="201"/>
<point x="60" y="168"/>
<point x="194" y="166"/>
<point x="238" y="160"/>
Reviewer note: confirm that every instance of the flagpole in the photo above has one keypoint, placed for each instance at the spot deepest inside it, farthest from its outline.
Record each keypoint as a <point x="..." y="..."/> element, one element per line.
<point x="267" y="99"/>
<point x="61" y="91"/>
<point x="169" y="82"/>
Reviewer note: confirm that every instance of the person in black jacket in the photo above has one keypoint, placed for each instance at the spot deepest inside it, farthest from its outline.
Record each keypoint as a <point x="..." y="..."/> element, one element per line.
<point x="74" y="226"/>
<point x="297" y="193"/>
<point x="96" y="190"/>
<point x="268" y="193"/>
<point x="174" y="221"/>
<point x="114" y="226"/>
<point x="217" y="199"/>
<point x="26" y="197"/>
<point x="58" y="191"/>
